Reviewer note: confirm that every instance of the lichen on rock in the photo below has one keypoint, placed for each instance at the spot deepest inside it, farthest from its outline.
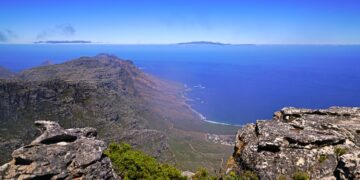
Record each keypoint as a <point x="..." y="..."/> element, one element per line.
<point x="321" y="143"/>
<point x="60" y="154"/>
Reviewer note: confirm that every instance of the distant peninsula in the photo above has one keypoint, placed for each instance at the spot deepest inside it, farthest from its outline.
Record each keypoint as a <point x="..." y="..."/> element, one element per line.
<point x="212" y="43"/>
<point x="63" y="42"/>
<point x="203" y="43"/>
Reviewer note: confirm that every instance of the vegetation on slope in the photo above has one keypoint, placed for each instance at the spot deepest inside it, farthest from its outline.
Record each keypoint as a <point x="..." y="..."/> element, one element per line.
<point x="134" y="164"/>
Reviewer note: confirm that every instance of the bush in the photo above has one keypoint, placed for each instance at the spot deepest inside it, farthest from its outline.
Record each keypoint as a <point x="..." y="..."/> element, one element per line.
<point x="281" y="177"/>
<point x="203" y="174"/>
<point x="231" y="176"/>
<point x="133" y="164"/>
<point x="322" y="158"/>
<point x="301" y="176"/>
<point x="340" y="151"/>
<point x="247" y="175"/>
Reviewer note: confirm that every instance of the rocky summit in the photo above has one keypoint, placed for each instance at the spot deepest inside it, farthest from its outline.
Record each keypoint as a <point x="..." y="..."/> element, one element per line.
<point x="60" y="154"/>
<point x="318" y="144"/>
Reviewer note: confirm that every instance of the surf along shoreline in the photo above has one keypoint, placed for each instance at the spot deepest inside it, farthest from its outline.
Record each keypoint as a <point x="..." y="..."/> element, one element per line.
<point x="188" y="101"/>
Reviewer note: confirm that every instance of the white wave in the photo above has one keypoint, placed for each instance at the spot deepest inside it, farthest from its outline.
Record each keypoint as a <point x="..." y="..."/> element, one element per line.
<point x="202" y="117"/>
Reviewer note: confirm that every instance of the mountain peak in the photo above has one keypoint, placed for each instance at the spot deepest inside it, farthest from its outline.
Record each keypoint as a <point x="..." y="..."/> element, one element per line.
<point x="106" y="56"/>
<point x="83" y="68"/>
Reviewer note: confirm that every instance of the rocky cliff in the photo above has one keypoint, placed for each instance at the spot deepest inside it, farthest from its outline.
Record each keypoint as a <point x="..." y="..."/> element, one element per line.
<point x="60" y="154"/>
<point x="321" y="144"/>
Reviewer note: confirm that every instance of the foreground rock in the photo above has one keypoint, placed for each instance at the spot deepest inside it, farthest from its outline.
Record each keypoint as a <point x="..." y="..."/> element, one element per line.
<point x="321" y="144"/>
<point x="60" y="154"/>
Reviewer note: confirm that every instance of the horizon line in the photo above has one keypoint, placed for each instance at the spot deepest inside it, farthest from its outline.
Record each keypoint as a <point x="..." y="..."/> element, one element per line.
<point x="189" y="43"/>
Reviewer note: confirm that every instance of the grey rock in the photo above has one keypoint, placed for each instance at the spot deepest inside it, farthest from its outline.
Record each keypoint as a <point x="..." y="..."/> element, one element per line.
<point x="60" y="154"/>
<point x="323" y="143"/>
<point x="188" y="174"/>
<point x="349" y="166"/>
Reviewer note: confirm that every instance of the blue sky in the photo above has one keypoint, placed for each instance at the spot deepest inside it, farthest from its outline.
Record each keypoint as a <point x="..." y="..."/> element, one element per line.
<point x="171" y="21"/>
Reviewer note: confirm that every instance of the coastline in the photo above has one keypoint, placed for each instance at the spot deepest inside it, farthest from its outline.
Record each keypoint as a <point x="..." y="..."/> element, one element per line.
<point x="201" y="116"/>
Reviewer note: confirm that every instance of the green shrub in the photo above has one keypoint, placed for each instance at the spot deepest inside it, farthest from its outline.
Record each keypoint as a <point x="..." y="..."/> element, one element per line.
<point x="301" y="176"/>
<point x="340" y="151"/>
<point x="281" y="177"/>
<point x="133" y="164"/>
<point x="248" y="175"/>
<point x="322" y="158"/>
<point x="231" y="176"/>
<point x="203" y="174"/>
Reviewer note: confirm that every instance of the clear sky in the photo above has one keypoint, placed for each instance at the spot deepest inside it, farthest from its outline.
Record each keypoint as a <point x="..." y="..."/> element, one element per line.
<point x="172" y="21"/>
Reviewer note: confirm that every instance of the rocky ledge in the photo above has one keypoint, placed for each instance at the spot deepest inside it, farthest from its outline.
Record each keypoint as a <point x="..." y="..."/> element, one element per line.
<point x="320" y="144"/>
<point x="60" y="154"/>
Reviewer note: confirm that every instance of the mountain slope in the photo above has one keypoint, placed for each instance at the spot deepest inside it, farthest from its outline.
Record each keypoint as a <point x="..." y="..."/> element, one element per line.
<point x="5" y="73"/>
<point x="118" y="99"/>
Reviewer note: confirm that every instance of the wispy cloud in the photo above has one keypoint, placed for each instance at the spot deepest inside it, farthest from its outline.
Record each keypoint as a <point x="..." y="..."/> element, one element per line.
<point x="7" y="35"/>
<point x="61" y="29"/>
<point x="63" y="42"/>
<point x="66" y="29"/>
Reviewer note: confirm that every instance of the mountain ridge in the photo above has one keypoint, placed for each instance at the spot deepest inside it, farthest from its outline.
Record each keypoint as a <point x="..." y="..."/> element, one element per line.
<point x="121" y="101"/>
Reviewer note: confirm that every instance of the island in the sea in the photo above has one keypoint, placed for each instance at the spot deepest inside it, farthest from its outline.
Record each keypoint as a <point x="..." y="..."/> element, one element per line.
<point x="203" y="43"/>
<point x="63" y="42"/>
<point x="212" y="43"/>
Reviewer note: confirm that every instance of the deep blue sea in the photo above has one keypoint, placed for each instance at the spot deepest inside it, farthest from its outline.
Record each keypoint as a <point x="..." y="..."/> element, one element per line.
<point x="230" y="84"/>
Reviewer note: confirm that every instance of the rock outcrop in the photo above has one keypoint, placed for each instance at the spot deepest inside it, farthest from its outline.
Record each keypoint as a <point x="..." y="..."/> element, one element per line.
<point x="60" y="154"/>
<point x="321" y="144"/>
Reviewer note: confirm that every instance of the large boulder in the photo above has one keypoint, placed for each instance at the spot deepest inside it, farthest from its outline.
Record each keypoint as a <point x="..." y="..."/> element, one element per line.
<point x="321" y="144"/>
<point x="60" y="154"/>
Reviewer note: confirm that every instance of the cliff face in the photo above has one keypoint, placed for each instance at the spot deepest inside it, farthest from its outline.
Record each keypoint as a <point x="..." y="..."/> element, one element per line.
<point x="320" y="143"/>
<point x="60" y="154"/>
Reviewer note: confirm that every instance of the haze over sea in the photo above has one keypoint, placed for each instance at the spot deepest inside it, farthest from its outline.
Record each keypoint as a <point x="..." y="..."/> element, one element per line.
<point x="230" y="84"/>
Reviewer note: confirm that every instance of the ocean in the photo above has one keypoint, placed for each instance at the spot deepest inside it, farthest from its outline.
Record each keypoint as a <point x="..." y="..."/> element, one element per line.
<point x="228" y="84"/>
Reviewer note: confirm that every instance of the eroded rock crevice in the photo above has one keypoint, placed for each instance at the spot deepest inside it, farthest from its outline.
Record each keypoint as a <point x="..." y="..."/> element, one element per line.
<point x="322" y="144"/>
